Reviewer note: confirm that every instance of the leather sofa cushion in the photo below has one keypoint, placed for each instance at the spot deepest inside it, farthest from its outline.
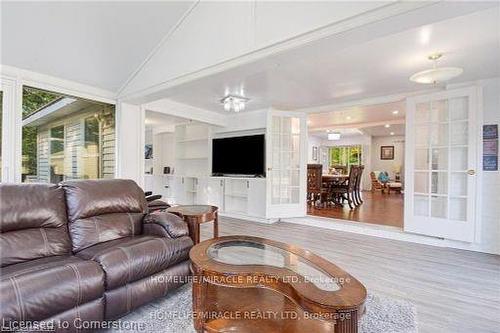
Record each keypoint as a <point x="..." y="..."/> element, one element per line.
<point x="41" y="288"/>
<point x="87" y="198"/>
<point x="23" y="245"/>
<point x="102" y="228"/>
<point x="132" y="258"/>
<point x="103" y="210"/>
<point x="33" y="222"/>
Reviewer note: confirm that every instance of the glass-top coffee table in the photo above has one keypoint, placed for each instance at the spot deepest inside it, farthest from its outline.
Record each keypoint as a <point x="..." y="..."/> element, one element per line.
<point x="250" y="284"/>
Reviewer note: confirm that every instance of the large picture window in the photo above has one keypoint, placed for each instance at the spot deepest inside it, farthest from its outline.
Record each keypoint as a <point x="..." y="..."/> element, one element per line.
<point x="66" y="138"/>
<point x="345" y="156"/>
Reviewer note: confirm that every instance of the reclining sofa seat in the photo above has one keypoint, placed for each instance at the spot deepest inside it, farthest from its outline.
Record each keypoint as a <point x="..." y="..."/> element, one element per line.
<point x="142" y="256"/>
<point x="40" y="278"/>
<point x="110" y="258"/>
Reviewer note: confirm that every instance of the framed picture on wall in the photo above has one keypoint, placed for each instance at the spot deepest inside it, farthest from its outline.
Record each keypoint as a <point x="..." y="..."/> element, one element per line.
<point x="315" y="153"/>
<point x="387" y="152"/>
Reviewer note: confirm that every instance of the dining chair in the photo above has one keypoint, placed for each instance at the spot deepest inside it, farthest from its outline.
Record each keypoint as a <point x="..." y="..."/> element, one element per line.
<point x="347" y="190"/>
<point x="314" y="182"/>
<point x="357" y="192"/>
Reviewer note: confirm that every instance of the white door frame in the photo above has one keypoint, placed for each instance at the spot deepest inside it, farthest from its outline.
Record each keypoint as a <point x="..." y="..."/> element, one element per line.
<point x="474" y="163"/>
<point x="287" y="210"/>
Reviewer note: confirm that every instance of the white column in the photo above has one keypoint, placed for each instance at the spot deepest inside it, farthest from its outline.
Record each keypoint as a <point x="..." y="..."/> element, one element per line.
<point x="11" y="129"/>
<point x="130" y="142"/>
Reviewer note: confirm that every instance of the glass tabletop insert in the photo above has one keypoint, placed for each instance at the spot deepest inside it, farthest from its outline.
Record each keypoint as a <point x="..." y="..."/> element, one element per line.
<point x="253" y="253"/>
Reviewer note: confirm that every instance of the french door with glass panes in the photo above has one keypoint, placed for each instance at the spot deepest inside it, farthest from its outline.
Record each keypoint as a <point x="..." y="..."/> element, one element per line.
<point x="286" y="153"/>
<point x="441" y="164"/>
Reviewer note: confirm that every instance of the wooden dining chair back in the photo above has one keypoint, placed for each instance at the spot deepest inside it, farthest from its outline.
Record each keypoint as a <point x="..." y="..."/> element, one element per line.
<point x="357" y="191"/>
<point x="346" y="191"/>
<point x="314" y="181"/>
<point x="353" y="176"/>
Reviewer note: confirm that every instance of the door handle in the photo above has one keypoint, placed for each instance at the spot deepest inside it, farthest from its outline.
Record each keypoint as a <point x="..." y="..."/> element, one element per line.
<point x="471" y="172"/>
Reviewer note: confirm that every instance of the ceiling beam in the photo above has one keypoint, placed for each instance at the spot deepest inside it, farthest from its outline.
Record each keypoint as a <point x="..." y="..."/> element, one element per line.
<point x="357" y="125"/>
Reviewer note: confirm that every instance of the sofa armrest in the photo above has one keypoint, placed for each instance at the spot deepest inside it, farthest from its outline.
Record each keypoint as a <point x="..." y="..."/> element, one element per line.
<point x="164" y="224"/>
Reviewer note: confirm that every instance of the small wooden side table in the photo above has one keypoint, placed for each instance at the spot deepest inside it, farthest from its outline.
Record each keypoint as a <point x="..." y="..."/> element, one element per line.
<point x="194" y="215"/>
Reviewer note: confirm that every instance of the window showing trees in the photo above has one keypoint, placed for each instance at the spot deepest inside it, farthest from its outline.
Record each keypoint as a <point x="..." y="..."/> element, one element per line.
<point x="345" y="156"/>
<point x="65" y="137"/>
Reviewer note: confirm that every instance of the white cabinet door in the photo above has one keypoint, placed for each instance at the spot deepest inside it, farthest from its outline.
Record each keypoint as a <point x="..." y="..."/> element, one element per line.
<point x="286" y="155"/>
<point x="215" y="192"/>
<point x="256" y="197"/>
<point x="180" y="191"/>
<point x="441" y="164"/>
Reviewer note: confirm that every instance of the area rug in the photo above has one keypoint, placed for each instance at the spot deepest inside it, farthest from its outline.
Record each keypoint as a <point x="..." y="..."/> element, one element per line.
<point x="172" y="314"/>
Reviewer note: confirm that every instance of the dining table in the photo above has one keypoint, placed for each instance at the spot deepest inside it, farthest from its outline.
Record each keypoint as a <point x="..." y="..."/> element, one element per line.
<point x="330" y="181"/>
<point x="336" y="179"/>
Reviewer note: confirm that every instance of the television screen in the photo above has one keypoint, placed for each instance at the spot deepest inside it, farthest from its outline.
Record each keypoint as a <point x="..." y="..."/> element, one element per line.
<point x="243" y="155"/>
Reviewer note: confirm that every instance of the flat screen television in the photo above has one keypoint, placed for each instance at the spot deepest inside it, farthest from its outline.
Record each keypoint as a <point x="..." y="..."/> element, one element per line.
<point x="242" y="155"/>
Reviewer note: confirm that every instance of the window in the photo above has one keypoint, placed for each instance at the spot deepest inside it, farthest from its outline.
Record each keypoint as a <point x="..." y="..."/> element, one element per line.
<point x="345" y="156"/>
<point x="65" y="137"/>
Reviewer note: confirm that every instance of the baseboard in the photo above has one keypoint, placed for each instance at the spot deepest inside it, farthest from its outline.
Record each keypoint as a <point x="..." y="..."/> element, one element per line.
<point x="387" y="232"/>
<point x="245" y="217"/>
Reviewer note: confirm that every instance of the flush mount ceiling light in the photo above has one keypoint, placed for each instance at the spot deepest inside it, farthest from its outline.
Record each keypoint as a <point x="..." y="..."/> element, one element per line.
<point x="436" y="74"/>
<point x="334" y="136"/>
<point x="395" y="112"/>
<point x="387" y="125"/>
<point x="234" y="103"/>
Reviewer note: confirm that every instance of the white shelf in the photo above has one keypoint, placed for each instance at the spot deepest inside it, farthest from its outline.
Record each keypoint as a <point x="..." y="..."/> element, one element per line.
<point x="237" y="195"/>
<point x="193" y="140"/>
<point x="193" y="158"/>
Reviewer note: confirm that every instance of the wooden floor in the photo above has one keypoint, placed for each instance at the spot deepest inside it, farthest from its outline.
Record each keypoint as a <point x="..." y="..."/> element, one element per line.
<point x="377" y="208"/>
<point x="454" y="290"/>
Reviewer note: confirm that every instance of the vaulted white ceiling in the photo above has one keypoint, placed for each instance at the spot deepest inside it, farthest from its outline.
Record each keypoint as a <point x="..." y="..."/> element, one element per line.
<point x="92" y="42"/>
<point x="322" y="74"/>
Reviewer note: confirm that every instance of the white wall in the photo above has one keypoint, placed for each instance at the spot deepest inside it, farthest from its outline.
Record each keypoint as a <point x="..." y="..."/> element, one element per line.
<point x="388" y="165"/>
<point x="163" y="152"/>
<point x="313" y="141"/>
<point x="130" y="142"/>
<point x="490" y="207"/>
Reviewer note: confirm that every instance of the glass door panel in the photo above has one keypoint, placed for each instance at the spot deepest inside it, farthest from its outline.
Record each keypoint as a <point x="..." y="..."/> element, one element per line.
<point x="439" y="133"/>
<point x="286" y="164"/>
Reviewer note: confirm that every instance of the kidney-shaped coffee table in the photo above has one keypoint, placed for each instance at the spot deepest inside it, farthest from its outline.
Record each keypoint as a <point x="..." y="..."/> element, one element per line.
<point x="251" y="284"/>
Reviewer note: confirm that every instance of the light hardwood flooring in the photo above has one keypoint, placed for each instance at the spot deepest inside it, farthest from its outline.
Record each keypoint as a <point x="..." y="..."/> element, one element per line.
<point x="453" y="290"/>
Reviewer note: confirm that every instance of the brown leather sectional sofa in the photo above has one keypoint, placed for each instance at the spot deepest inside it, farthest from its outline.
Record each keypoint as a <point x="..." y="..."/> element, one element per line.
<point x="84" y="252"/>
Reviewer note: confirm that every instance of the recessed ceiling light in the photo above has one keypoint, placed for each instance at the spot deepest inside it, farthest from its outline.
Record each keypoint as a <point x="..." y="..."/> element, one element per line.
<point x="333" y="136"/>
<point x="348" y="118"/>
<point x="387" y="125"/>
<point x="392" y="133"/>
<point x="395" y="112"/>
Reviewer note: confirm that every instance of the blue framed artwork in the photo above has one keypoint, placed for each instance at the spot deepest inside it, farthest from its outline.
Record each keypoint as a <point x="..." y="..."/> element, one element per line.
<point x="490" y="147"/>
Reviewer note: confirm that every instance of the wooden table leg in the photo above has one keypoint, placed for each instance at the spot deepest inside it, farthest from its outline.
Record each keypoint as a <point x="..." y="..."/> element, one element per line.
<point x="216" y="225"/>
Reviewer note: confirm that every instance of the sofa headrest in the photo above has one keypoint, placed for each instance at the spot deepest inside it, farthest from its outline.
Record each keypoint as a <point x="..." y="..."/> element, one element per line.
<point x="87" y="198"/>
<point x="25" y="206"/>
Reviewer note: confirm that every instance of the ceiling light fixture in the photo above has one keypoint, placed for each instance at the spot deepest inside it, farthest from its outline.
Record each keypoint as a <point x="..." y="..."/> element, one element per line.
<point x="387" y="125"/>
<point x="395" y="112"/>
<point x="392" y="133"/>
<point x="348" y="118"/>
<point x="234" y="103"/>
<point x="334" y="136"/>
<point x="436" y="74"/>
